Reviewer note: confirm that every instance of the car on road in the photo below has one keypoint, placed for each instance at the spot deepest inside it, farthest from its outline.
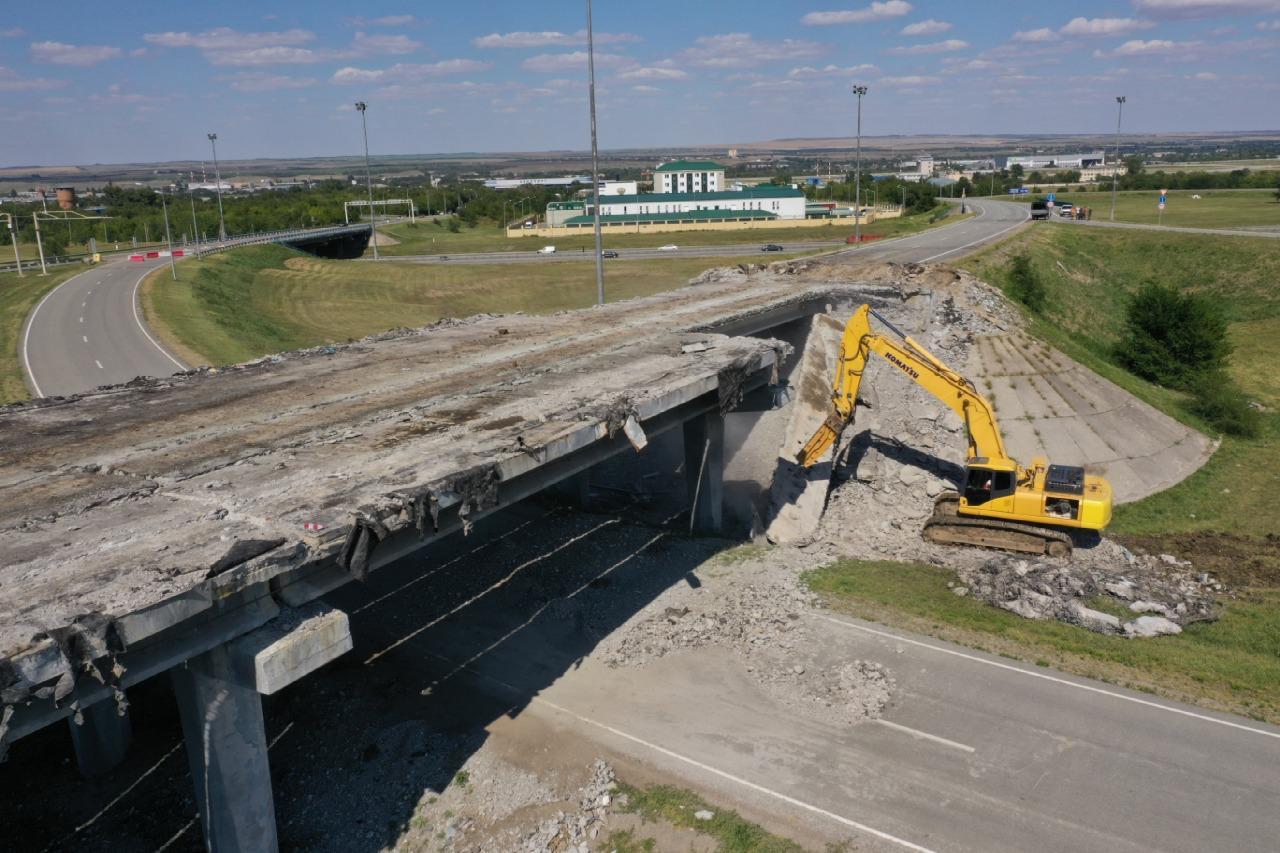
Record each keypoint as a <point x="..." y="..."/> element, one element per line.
<point x="670" y="247"/>
<point x="771" y="247"/>
<point x="608" y="253"/>
<point x="1065" y="208"/>
<point x="547" y="250"/>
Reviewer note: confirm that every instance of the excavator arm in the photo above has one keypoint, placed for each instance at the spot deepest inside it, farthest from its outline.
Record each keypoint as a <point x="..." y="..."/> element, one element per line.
<point x="904" y="353"/>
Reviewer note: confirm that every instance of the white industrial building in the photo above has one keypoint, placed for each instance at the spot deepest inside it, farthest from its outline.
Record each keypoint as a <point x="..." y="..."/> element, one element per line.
<point x="688" y="176"/>
<point x="1057" y="161"/>
<point x="763" y="202"/>
<point x="514" y="183"/>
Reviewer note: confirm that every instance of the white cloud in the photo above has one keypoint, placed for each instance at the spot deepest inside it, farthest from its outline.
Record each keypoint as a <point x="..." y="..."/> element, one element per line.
<point x="875" y="12"/>
<point x="961" y="64"/>
<point x="10" y="81"/>
<point x="268" y="56"/>
<point x="12" y="33"/>
<point x="225" y="38"/>
<point x="1103" y="26"/>
<point x="137" y="52"/>
<point x="926" y="28"/>
<point x="738" y="50"/>
<point x="932" y="47"/>
<point x="392" y="21"/>
<point x="645" y="90"/>
<point x="1268" y="25"/>
<point x="551" y="38"/>
<point x="809" y="71"/>
<point x="1041" y="35"/>
<point x="407" y="72"/>
<point x="1205" y="8"/>
<point x="394" y="44"/>
<point x="908" y="81"/>
<point x="550" y="63"/>
<point x="1203" y="75"/>
<point x="653" y="72"/>
<point x="1139" y="47"/>
<point x="260" y="81"/>
<point x="60" y="53"/>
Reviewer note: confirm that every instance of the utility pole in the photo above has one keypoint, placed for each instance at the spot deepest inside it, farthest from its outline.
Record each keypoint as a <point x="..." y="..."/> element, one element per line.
<point x="173" y="266"/>
<point x="368" y="180"/>
<point x="1120" y="99"/>
<point x="858" y="91"/>
<point x="217" y="187"/>
<point x="595" y="157"/>
<point x="195" y="226"/>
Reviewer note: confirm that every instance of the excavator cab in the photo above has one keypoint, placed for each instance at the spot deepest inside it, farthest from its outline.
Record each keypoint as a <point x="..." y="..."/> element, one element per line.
<point x="984" y="483"/>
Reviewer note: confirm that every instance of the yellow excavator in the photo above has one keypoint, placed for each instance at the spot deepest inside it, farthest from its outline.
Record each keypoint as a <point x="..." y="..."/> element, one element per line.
<point x="1003" y="505"/>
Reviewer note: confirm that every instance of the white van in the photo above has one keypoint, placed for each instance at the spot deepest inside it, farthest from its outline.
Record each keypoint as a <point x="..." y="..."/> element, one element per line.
<point x="547" y="250"/>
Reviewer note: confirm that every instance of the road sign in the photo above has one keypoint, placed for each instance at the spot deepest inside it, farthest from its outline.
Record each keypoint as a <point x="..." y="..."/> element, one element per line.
<point x="1162" y="202"/>
<point x="1018" y="190"/>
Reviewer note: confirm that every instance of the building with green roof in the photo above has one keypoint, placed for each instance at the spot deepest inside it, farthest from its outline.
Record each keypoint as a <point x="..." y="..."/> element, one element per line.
<point x="688" y="176"/>
<point x="763" y="202"/>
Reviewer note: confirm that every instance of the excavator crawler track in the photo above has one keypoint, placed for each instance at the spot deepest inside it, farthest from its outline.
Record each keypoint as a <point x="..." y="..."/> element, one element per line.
<point x="948" y="527"/>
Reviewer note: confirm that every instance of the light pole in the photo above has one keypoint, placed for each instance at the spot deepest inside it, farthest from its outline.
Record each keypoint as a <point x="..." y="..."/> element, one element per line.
<point x="368" y="180"/>
<point x="1120" y="99"/>
<point x="858" y="91"/>
<point x="217" y="187"/>
<point x="173" y="266"/>
<point x="195" y="226"/>
<point x="13" y="235"/>
<point x="595" y="158"/>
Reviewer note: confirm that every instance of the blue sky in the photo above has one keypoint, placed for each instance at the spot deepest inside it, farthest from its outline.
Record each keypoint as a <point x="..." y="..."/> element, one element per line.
<point x="279" y="79"/>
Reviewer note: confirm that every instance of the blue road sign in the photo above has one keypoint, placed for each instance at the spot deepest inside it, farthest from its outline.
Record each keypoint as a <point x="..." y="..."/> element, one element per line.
<point x="1018" y="190"/>
<point x="1050" y="197"/>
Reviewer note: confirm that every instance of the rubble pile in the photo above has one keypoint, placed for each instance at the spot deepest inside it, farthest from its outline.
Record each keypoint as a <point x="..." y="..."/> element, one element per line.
<point x="842" y="693"/>
<point x="577" y="830"/>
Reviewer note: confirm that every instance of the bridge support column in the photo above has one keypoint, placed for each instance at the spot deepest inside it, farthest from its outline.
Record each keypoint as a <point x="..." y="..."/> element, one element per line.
<point x="102" y="740"/>
<point x="704" y="470"/>
<point x="221" y="708"/>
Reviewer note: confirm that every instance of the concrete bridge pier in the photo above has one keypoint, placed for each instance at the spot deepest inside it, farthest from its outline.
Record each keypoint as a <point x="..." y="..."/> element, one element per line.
<point x="704" y="470"/>
<point x="219" y="700"/>
<point x="102" y="739"/>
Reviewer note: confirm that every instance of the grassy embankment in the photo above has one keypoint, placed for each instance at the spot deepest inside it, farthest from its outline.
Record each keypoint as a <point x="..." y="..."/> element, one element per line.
<point x="249" y="302"/>
<point x="18" y="295"/>
<point x="1214" y="208"/>
<point x="1225" y="518"/>
<point x="427" y="238"/>
<point x="675" y="808"/>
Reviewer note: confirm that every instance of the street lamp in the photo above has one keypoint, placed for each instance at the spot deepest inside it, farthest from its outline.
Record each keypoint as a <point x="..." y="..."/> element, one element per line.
<point x="1120" y="99"/>
<point x="858" y="91"/>
<point x="13" y="234"/>
<point x="217" y="186"/>
<point x="173" y="267"/>
<point x="195" y="226"/>
<point x="368" y="180"/>
<point x="595" y="158"/>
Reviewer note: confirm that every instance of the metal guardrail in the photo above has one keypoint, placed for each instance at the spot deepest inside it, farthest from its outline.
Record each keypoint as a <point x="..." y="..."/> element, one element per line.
<point x="254" y="239"/>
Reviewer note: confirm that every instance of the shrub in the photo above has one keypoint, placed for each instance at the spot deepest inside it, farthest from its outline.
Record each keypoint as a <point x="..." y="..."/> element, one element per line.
<point x="1025" y="285"/>
<point x="1171" y="337"/>
<point x="454" y="227"/>
<point x="1216" y="398"/>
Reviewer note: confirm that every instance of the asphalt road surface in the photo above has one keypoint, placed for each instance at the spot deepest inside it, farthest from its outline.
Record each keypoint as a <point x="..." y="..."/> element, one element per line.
<point x="721" y="251"/>
<point x="89" y="330"/>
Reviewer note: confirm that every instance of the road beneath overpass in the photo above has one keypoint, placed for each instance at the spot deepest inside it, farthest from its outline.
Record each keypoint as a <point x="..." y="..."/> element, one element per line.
<point x="89" y="331"/>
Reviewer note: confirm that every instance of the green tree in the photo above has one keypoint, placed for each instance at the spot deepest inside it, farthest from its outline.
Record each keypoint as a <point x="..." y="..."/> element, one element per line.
<point x="1133" y="165"/>
<point x="1278" y="193"/>
<point x="1016" y="171"/>
<point x="1025" y="285"/>
<point x="1172" y="337"/>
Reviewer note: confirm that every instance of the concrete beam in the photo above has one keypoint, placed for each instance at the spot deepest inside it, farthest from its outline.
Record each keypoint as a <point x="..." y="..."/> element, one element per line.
<point x="704" y="471"/>
<point x="102" y="739"/>
<point x="293" y="645"/>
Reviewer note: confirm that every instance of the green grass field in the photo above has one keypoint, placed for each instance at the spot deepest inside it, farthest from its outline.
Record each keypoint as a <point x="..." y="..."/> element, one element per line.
<point x="1225" y="518"/>
<point x="1214" y="208"/>
<point x="424" y="238"/>
<point x="249" y="302"/>
<point x="18" y="295"/>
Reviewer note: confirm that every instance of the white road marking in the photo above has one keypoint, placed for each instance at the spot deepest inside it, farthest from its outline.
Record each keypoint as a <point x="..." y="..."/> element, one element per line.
<point x="100" y="367"/>
<point x="1046" y="677"/>
<point x="26" y="335"/>
<point x="138" y="319"/>
<point x="974" y="243"/>
<point x="84" y="338"/>
<point x="81" y="319"/>
<point x="916" y="733"/>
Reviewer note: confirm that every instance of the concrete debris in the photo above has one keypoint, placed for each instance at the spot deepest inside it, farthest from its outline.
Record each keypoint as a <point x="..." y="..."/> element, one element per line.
<point x="703" y="814"/>
<point x="1151" y="626"/>
<point x="575" y="830"/>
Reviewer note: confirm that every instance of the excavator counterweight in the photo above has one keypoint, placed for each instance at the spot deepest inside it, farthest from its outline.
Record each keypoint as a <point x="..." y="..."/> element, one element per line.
<point x="1000" y="504"/>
